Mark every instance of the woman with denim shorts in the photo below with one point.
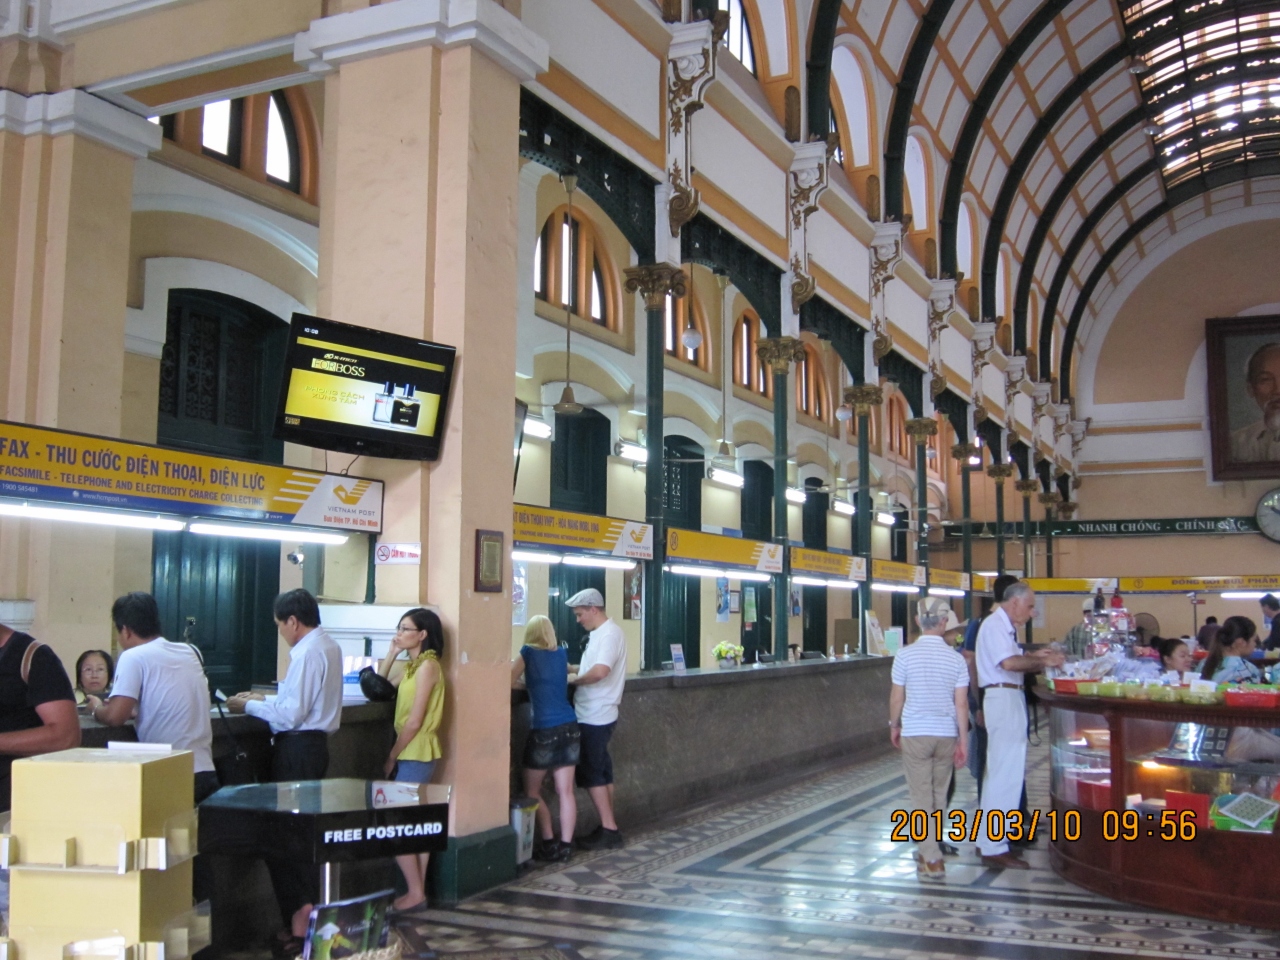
(419, 708)
(554, 738)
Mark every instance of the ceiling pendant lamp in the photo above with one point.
(568, 405)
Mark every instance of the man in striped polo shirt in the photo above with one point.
(929, 720)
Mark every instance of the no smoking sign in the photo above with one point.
(391, 553)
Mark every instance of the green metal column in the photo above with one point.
(1049, 500)
(962, 452)
(999, 472)
(862, 398)
(781, 595)
(920, 429)
(654, 282)
(1026, 488)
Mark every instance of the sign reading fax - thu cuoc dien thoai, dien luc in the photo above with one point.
(58, 466)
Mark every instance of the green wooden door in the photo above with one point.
(219, 379)
(682, 508)
(564, 581)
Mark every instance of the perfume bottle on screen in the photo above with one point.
(383, 403)
(405, 409)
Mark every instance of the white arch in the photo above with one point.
(851, 83)
(916, 173)
(146, 328)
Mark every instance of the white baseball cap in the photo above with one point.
(589, 597)
(934, 607)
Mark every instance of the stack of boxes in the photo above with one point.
(99, 849)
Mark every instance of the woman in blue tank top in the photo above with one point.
(553, 744)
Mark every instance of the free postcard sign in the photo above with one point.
(539, 527)
(37, 463)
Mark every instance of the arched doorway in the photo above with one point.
(219, 382)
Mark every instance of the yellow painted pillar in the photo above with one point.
(419, 236)
(66, 188)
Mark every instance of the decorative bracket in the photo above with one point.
(691, 66)
(806, 181)
(984, 338)
(1040, 396)
(1015, 372)
(1078, 430)
(942, 300)
(886, 253)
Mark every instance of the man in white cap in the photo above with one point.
(929, 720)
(598, 682)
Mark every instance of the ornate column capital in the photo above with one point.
(1027, 487)
(1000, 472)
(1067, 509)
(654, 281)
(921, 428)
(780, 352)
(863, 397)
(1049, 500)
(963, 451)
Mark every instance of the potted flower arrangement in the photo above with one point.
(728, 654)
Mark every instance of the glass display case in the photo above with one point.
(1171, 805)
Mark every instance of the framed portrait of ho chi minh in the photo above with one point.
(1243, 356)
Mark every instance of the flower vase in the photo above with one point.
(728, 663)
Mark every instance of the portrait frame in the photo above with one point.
(1227, 341)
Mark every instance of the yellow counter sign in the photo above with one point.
(889, 571)
(539, 527)
(711, 548)
(948, 578)
(826, 564)
(54, 465)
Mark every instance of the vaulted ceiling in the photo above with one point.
(1079, 132)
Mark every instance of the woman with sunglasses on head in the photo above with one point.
(1234, 641)
(419, 709)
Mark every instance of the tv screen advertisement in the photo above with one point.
(356, 390)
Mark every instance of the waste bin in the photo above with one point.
(524, 822)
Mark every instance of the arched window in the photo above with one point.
(917, 180)
(1002, 292)
(571, 268)
(269, 137)
(896, 427)
(683, 313)
(738, 38)
(964, 242)
(850, 94)
(812, 396)
(938, 447)
(748, 371)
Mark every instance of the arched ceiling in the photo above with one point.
(1077, 128)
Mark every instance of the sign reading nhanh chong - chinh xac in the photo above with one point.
(73, 468)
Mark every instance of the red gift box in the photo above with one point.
(1197, 803)
(1095, 794)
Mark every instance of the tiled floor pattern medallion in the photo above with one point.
(810, 871)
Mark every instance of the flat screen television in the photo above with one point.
(355, 390)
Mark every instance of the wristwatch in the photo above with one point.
(895, 723)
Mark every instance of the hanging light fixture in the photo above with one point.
(568, 405)
(724, 455)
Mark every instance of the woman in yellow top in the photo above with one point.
(419, 708)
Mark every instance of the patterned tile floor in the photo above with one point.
(809, 871)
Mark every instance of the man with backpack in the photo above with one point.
(37, 703)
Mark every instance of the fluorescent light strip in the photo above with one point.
(534, 427)
(685, 570)
(608, 563)
(819, 582)
(728, 477)
(894, 588)
(1243, 595)
(886, 519)
(845, 507)
(254, 532)
(535, 556)
(633, 451)
(796, 495)
(753, 575)
(945, 592)
(101, 518)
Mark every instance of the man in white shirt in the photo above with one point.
(161, 685)
(598, 687)
(1001, 666)
(164, 683)
(929, 721)
(307, 708)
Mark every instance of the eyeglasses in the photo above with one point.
(409, 630)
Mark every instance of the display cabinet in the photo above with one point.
(1171, 805)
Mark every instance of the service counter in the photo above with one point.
(687, 738)
(1137, 789)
